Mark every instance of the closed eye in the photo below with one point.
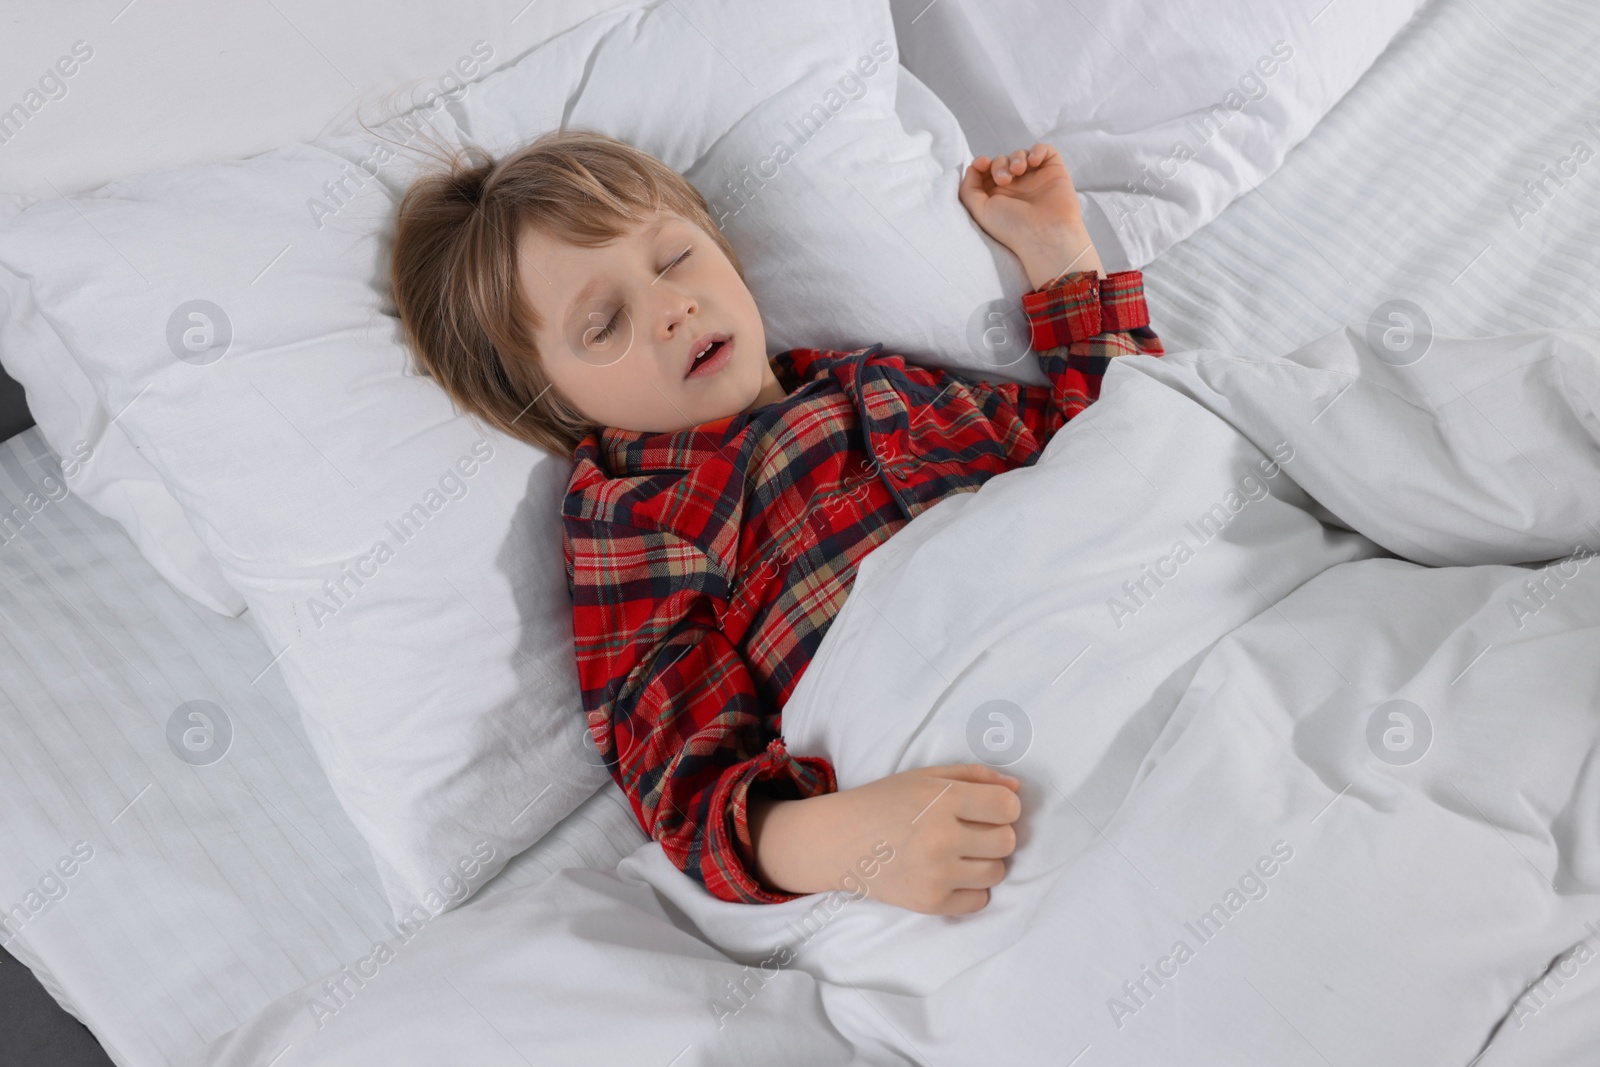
(603, 334)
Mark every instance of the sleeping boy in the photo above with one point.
(577, 295)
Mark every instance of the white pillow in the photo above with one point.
(96, 459)
(436, 677)
(1164, 113)
(857, 236)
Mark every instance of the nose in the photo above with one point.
(676, 307)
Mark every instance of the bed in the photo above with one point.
(235, 917)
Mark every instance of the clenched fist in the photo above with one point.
(1027, 202)
(949, 828)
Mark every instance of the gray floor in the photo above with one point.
(14, 416)
(34, 1031)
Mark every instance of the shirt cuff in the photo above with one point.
(730, 861)
(1078, 305)
(1122, 304)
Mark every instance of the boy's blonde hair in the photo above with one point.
(454, 264)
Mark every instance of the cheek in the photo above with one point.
(625, 394)
(750, 360)
(615, 388)
(583, 386)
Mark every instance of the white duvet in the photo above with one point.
(1288, 799)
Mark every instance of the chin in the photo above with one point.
(750, 394)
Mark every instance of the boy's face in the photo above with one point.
(623, 321)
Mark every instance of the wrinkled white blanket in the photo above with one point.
(1308, 752)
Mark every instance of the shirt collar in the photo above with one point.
(625, 452)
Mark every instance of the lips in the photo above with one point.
(705, 347)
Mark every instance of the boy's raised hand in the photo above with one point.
(1027, 202)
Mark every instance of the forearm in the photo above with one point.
(1049, 254)
(792, 845)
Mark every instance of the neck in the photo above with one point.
(771, 392)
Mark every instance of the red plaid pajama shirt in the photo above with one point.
(706, 564)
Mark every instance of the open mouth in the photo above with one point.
(712, 357)
(701, 359)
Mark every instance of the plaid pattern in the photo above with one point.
(705, 565)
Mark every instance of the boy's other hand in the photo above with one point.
(1027, 202)
(950, 829)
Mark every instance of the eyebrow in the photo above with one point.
(595, 283)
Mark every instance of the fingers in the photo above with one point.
(1005, 169)
(971, 191)
(983, 842)
(964, 902)
(982, 793)
(991, 804)
(969, 885)
(999, 169)
(963, 839)
(972, 772)
(978, 874)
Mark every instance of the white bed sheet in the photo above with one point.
(1182, 762)
(1404, 190)
(210, 889)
